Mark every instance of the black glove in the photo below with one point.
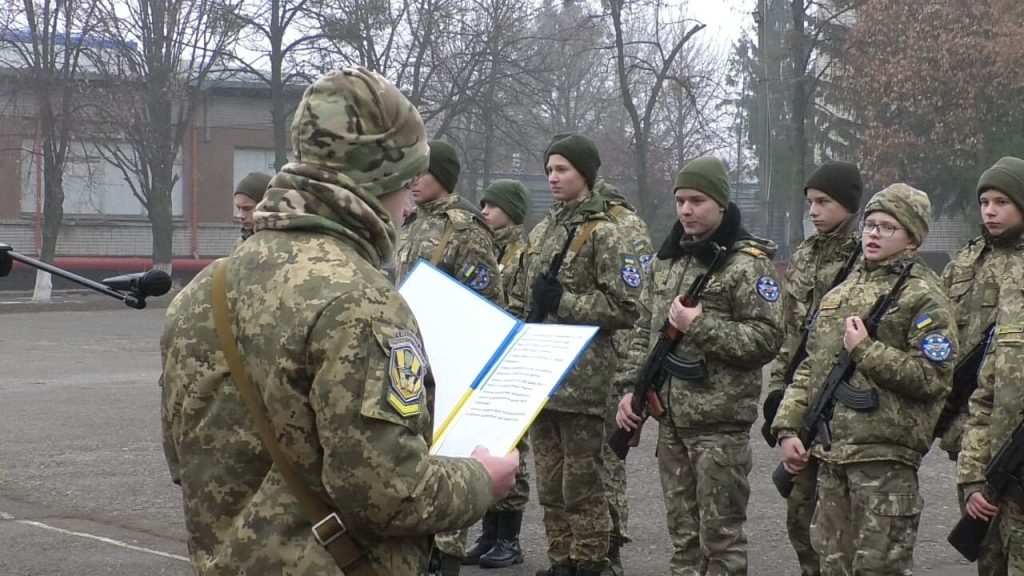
(546, 293)
(770, 408)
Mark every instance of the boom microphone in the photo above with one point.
(144, 284)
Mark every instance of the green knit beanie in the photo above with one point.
(707, 175)
(253, 185)
(839, 180)
(509, 195)
(1006, 176)
(581, 152)
(444, 164)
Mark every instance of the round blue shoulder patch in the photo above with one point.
(481, 280)
(631, 276)
(937, 347)
(768, 288)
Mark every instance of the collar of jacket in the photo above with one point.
(1012, 238)
(891, 265)
(508, 235)
(440, 204)
(579, 210)
(677, 244)
(842, 235)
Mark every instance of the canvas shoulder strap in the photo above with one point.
(327, 527)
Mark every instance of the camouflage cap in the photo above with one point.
(908, 205)
(358, 123)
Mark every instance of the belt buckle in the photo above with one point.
(333, 516)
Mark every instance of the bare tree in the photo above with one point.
(152, 88)
(267, 26)
(42, 42)
(644, 63)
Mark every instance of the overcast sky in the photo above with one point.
(725, 19)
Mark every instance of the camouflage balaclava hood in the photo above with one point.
(356, 122)
(908, 205)
(355, 137)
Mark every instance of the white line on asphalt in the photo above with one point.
(105, 540)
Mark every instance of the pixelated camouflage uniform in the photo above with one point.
(972, 280)
(809, 275)
(996, 407)
(509, 246)
(469, 254)
(631, 349)
(569, 435)
(467, 257)
(868, 499)
(704, 455)
(319, 329)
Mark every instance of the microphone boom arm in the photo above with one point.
(135, 298)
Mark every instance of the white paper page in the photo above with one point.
(461, 331)
(515, 390)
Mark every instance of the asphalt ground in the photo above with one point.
(84, 489)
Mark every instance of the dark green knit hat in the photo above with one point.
(841, 181)
(253, 185)
(1007, 176)
(444, 164)
(581, 152)
(509, 195)
(707, 175)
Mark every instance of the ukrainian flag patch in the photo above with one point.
(923, 322)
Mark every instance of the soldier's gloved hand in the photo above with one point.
(547, 293)
(769, 410)
(771, 405)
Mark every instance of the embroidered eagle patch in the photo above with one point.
(406, 369)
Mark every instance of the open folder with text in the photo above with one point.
(493, 372)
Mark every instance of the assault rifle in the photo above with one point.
(801, 350)
(538, 313)
(132, 289)
(965, 382)
(652, 376)
(817, 418)
(1006, 466)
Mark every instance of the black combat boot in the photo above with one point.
(450, 565)
(485, 542)
(506, 550)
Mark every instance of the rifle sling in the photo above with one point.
(327, 527)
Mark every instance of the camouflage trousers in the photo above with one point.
(520, 494)
(867, 518)
(1011, 530)
(704, 479)
(567, 452)
(991, 558)
(799, 511)
(618, 503)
